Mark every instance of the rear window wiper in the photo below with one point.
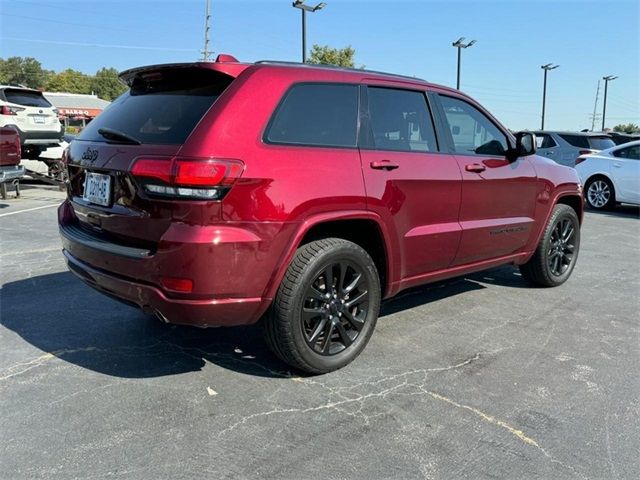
(117, 136)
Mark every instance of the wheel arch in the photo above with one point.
(361, 227)
(575, 201)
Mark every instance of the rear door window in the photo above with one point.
(579, 141)
(629, 152)
(317, 114)
(400, 121)
(161, 107)
(26, 98)
(472, 131)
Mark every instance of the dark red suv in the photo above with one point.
(222, 193)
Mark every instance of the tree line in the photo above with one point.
(28, 71)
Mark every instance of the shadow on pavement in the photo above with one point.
(624, 211)
(60, 315)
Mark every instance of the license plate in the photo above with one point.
(38, 119)
(97, 189)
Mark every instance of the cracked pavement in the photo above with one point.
(476, 377)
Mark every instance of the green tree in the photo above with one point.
(628, 128)
(325, 55)
(25, 71)
(106, 84)
(69, 80)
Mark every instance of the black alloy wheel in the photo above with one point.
(561, 246)
(335, 308)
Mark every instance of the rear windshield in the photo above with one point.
(161, 107)
(26, 98)
(601, 143)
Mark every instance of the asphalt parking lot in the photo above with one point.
(478, 377)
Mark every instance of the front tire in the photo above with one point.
(557, 253)
(326, 307)
(600, 194)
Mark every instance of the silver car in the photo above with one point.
(565, 147)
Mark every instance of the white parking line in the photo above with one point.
(29, 210)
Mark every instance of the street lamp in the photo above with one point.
(459, 44)
(304, 9)
(606, 79)
(546, 68)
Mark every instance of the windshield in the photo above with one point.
(601, 143)
(162, 107)
(26, 98)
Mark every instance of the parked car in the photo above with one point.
(222, 193)
(10, 169)
(611, 176)
(565, 147)
(35, 119)
(620, 138)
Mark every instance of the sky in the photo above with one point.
(588, 39)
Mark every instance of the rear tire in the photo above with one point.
(599, 193)
(557, 253)
(326, 307)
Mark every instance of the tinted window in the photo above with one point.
(400, 121)
(161, 107)
(544, 141)
(579, 141)
(601, 143)
(317, 114)
(629, 152)
(26, 98)
(472, 131)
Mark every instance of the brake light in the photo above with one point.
(7, 110)
(195, 178)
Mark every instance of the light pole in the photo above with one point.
(459, 44)
(546, 68)
(606, 79)
(304, 9)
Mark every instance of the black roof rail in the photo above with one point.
(334, 67)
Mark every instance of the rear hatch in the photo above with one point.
(601, 143)
(122, 165)
(29, 110)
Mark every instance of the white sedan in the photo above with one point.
(611, 176)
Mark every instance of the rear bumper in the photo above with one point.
(231, 266)
(40, 137)
(200, 313)
(11, 173)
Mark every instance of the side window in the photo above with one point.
(629, 152)
(544, 141)
(318, 115)
(472, 131)
(400, 121)
(579, 141)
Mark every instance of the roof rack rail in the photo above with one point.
(334, 67)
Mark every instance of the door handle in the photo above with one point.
(617, 165)
(549, 153)
(383, 165)
(475, 167)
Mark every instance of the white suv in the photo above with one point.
(35, 119)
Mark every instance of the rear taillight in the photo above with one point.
(7, 110)
(188, 178)
(585, 152)
(580, 160)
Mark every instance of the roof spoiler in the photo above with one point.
(224, 63)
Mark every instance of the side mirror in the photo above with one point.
(525, 144)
